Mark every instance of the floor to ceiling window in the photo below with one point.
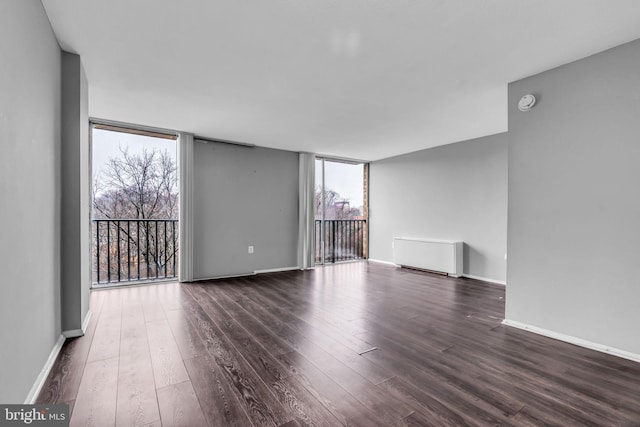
(340, 211)
(134, 206)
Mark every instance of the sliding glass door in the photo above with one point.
(340, 211)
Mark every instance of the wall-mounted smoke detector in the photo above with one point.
(527, 102)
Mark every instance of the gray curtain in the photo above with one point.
(306, 220)
(185, 165)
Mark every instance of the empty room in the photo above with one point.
(324, 213)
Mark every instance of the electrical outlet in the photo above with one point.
(250, 249)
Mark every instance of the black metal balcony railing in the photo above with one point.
(344, 239)
(134, 249)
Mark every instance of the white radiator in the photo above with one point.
(444, 256)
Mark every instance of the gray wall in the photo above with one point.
(574, 209)
(75, 245)
(243, 196)
(456, 191)
(30, 188)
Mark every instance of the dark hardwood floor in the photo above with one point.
(352, 344)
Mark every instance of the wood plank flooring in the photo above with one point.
(352, 344)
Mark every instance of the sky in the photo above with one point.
(106, 144)
(344, 178)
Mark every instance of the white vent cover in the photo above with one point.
(429, 254)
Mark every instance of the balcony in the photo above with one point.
(126, 251)
(344, 240)
(134, 250)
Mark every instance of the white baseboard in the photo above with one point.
(573, 340)
(85, 323)
(44, 373)
(230, 276)
(379, 261)
(470, 276)
(485, 279)
(276, 270)
(74, 333)
(235, 276)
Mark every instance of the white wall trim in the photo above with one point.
(485, 279)
(44, 373)
(229, 276)
(470, 276)
(74, 333)
(379, 261)
(255, 272)
(85, 322)
(185, 162)
(573, 340)
(276, 270)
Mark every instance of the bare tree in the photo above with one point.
(137, 186)
(335, 207)
(135, 204)
(342, 230)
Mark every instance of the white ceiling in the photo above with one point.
(362, 79)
